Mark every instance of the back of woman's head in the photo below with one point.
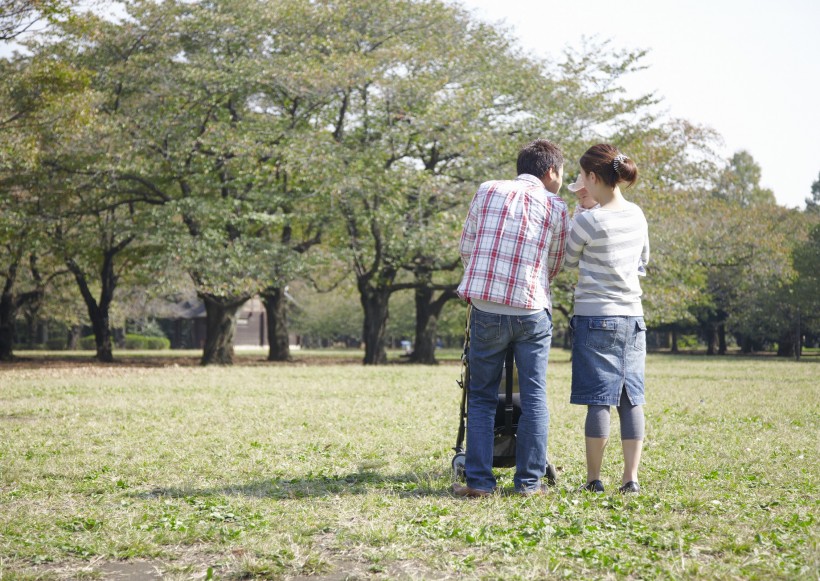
(610, 165)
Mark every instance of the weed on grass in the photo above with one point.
(300, 471)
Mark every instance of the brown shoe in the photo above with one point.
(539, 491)
(463, 490)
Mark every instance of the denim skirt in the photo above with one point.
(608, 356)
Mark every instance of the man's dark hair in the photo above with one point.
(538, 157)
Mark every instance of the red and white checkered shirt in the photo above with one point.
(512, 244)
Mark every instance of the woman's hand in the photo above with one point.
(585, 199)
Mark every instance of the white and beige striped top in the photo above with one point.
(611, 249)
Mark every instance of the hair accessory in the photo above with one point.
(616, 163)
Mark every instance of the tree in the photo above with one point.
(95, 221)
(742, 247)
(676, 160)
(747, 255)
(19, 16)
(410, 111)
(212, 109)
(813, 203)
(40, 98)
(805, 291)
(101, 240)
(16, 241)
(740, 182)
(464, 102)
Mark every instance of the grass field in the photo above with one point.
(326, 469)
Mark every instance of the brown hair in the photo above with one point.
(611, 166)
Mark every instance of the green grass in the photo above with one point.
(242, 355)
(341, 471)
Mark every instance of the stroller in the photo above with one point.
(507, 413)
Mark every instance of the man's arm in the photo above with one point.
(468, 233)
(555, 259)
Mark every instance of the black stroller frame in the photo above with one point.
(508, 411)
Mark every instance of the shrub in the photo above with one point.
(132, 342)
(56, 344)
(140, 342)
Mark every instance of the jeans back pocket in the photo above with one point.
(487, 326)
(535, 325)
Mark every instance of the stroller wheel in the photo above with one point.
(458, 466)
(551, 475)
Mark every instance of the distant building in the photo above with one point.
(184, 323)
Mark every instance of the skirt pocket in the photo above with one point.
(602, 333)
(639, 340)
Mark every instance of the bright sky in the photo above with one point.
(747, 68)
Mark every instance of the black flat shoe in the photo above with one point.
(595, 486)
(630, 487)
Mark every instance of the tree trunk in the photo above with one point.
(99, 312)
(424, 345)
(428, 311)
(7, 316)
(74, 338)
(103, 337)
(279, 344)
(711, 338)
(8, 312)
(721, 332)
(375, 304)
(220, 326)
(785, 347)
(675, 341)
(11, 303)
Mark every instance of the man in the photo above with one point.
(512, 247)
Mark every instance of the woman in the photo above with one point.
(609, 244)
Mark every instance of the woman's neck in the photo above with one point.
(611, 199)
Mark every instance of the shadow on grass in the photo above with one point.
(310, 486)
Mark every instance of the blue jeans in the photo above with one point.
(530, 336)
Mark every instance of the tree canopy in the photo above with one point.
(250, 146)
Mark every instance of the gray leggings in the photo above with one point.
(632, 420)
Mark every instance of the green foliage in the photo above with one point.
(746, 253)
(249, 144)
(139, 342)
(675, 161)
(132, 342)
(739, 182)
(18, 16)
(806, 288)
(813, 203)
(325, 317)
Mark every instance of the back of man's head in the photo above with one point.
(538, 157)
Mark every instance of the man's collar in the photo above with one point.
(528, 177)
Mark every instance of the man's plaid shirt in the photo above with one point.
(512, 244)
